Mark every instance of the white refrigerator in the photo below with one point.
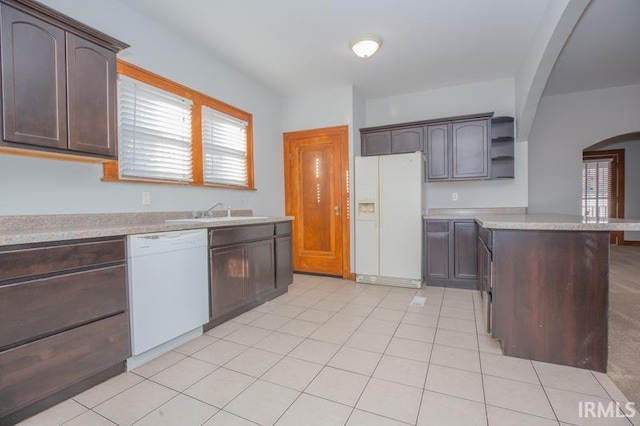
(388, 216)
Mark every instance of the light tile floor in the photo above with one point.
(332, 352)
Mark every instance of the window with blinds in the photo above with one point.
(596, 188)
(224, 148)
(154, 133)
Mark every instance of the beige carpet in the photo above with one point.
(624, 320)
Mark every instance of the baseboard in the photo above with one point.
(630, 243)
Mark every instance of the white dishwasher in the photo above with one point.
(168, 288)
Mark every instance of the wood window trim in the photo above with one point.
(110, 168)
(616, 203)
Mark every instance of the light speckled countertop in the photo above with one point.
(46, 228)
(555, 222)
(517, 218)
(469, 213)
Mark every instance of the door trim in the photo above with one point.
(345, 217)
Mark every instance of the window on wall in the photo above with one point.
(224, 148)
(154, 133)
(596, 188)
(169, 133)
(603, 186)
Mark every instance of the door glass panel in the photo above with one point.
(315, 193)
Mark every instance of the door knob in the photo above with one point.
(336, 210)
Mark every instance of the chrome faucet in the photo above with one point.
(206, 212)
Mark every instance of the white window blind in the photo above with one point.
(596, 188)
(154, 133)
(224, 148)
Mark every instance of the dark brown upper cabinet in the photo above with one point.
(59, 83)
(470, 150)
(376, 143)
(458, 150)
(34, 109)
(406, 140)
(397, 141)
(91, 95)
(502, 148)
(438, 148)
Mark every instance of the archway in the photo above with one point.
(628, 185)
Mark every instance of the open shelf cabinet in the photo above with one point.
(502, 148)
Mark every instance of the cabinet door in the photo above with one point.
(261, 265)
(33, 81)
(465, 250)
(91, 85)
(377, 143)
(228, 279)
(437, 152)
(470, 150)
(284, 262)
(437, 250)
(406, 140)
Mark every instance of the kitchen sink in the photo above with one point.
(216, 219)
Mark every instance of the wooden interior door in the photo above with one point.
(316, 194)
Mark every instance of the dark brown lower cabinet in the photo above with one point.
(284, 254)
(551, 296)
(38, 369)
(64, 322)
(437, 250)
(465, 265)
(451, 253)
(228, 279)
(261, 266)
(249, 265)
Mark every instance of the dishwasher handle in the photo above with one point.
(144, 244)
(165, 236)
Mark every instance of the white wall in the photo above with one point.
(35, 186)
(497, 96)
(632, 182)
(560, 17)
(564, 126)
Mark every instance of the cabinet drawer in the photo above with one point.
(239, 234)
(36, 370)
(25, 262)
(437, 226)
(283, 228)
(35, 308)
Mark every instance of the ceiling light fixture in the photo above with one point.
(365, 47)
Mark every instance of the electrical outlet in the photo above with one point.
(454, 196)
(146, 198)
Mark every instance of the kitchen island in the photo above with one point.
(546, 285)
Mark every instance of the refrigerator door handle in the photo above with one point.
(375, 217)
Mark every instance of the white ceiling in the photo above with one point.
(300, 45)
(603, 50)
